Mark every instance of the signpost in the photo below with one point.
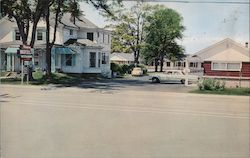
(26, 56)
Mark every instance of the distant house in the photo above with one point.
(122, 58)
(80, 47)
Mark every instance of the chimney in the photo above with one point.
(246, 44)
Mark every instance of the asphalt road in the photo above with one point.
(125, 122)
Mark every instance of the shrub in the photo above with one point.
(211, 84)
(126, 69)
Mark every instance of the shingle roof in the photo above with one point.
(122, 56)
(80, 22)
(82, 42)
(16, 44)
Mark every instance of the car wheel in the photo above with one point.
(155, 80)
(182, 81)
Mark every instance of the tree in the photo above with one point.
(128, 30)
(163, 29)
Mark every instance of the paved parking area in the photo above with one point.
(136, 84)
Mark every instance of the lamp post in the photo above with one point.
(186, 71)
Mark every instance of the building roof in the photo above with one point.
(227, 50)
(82, 42)
(122, 57)
(208, 51)
(16, 44)
(229, 55)
(80, 22)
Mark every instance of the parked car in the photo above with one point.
(137, 71)
(172, 75)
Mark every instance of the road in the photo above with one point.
(77, 122)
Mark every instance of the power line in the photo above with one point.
(188, 1)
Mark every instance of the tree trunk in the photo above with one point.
(162, 63)
(48, 46)
(156, 65)
(33, 35)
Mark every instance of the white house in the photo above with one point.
(80, 47)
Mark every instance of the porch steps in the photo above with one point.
(11, 75)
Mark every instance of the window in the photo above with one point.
(233, 66)
(68, 58)
(92, 59)
(168, 64)
(226, 66)
(98, 34)
(17, 35)
(90, 36)
(108, 38)
(179, 64)
(104, 58)
(99, 59)
(39, 35)
(103, 38)
(70, 32)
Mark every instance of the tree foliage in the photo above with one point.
(128, 29)
(163, 29)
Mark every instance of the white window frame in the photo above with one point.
(226, 67)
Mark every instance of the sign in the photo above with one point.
(25, 53)
(26, 59)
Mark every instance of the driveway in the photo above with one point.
(135, 84)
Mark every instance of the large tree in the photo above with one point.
(128, 29)
(163, 30)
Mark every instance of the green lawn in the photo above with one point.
(56, 78)
(39, 79)
(226, 91)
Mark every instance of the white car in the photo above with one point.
(137, 71)
(172, 75)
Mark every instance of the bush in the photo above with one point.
(211, 84)
(126, 69)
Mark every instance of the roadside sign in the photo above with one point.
(26, 59)
(25, 51)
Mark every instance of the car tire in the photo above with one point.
(155, 80)
(183, 81)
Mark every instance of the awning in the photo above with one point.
(63, 50)
(11, 50)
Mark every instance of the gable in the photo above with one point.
(229, 55)
(226, 44)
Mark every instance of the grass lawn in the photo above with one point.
(56, 78)
(227, 91)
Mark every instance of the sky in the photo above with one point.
(205, 23)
